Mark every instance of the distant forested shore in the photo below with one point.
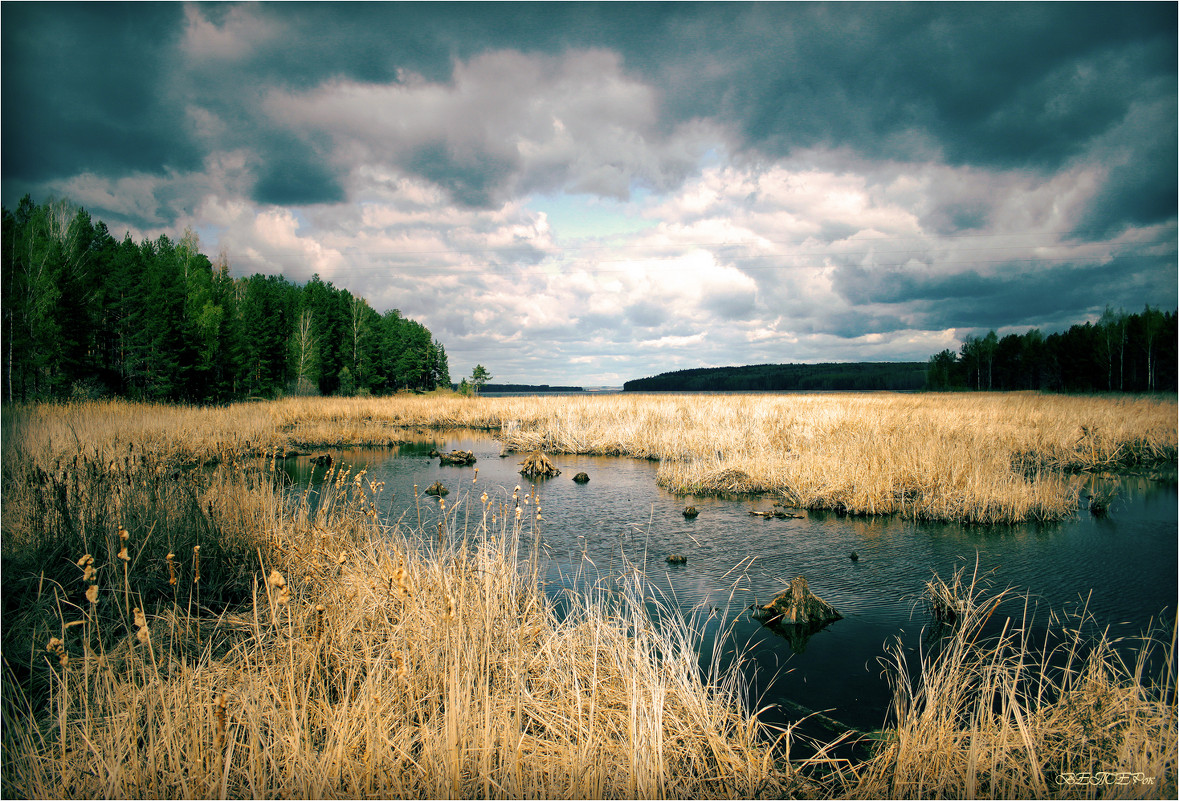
(784, 377)
(88, 315)
(528, 389)
(1120, 353)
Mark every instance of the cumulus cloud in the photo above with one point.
(233, 37)
(759, 182)
(506, 124)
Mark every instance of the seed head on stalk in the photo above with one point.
(57, 646)
(143, 634)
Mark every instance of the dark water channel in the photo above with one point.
(1122, 566)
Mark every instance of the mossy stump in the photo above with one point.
(797, 606)
(537, 465)
(457, 458)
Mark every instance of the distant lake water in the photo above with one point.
(1121, 567)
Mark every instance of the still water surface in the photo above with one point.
(1122, 566)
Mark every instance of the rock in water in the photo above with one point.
(797, 606)
(537, 465)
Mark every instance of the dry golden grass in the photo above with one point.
(973, 458)
(223, 640)
(979, 458)
(396, 673)
(367, 660)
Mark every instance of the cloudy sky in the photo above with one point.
(583, 194)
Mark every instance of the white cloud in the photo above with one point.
(234, 38)
(532, 123)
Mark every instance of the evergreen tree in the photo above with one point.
(479, 377)
(86, 313)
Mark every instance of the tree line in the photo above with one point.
(786, 377)
(87, 315)
(1119, 353)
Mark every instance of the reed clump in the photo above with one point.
(1002, 712)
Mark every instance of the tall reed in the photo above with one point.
(1002, 711)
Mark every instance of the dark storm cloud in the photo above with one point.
(96, 86)
(81, 90)
(1004, 84)
(1000, 85)
(471, 175)
(291, 180)
(1010, 297)
(292, 171)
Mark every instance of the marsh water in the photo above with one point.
(1120, 567)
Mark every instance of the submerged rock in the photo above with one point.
(581, 478)
(776, 514)
(437, 489)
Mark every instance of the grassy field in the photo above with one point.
(181, 632)
(978, 458)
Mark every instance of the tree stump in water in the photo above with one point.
(797, 606)
(457, 458)
(537, 465)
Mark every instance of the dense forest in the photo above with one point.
(87, 315)
(779, 377)
(1119, 353)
